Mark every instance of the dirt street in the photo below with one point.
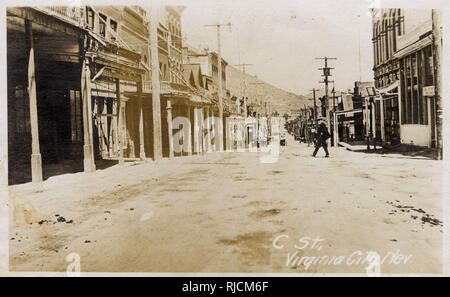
(228, 212)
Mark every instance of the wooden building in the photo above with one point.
(404, 66)
(80, 88)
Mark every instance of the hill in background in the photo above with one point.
(281, 100)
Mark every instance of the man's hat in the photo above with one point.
(321, 119)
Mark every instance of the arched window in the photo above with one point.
(375, 44)
(401, 27)
(386, 38)
(380, 43)
(390, 34)
(394, 32)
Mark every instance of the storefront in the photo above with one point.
(418, 122)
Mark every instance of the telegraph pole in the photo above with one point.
(315, 107)
(219, 92)
(245, 98)
(326, 73)
(335, 130)
(334, 98)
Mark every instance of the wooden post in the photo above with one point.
(383, 136)
(130, 109)
(104, 130)
(141, 122)
(366, 122)
(189, 140)
(90, 120)
(119, 122)
(197, 139)
(208, 132)
(219, 137)
(335, 129)
(428, 99)
(203, 130)
(114, 134)
(89, 165)
(373, 124)
(399, 98)
(437, 48)
(169, 128)
(213, 123)
(36, 160)
(156, 87)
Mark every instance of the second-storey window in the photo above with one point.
(90, 18)
(102, 25)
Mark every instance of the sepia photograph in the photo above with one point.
(212, 138)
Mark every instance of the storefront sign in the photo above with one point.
(428, 91)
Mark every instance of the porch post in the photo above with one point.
(89, 165)
(36, 160)
(114, 135)
(399, 101)
(203, 113)
(169, 127)
(90, 119)
(336, 129)
(141, 122)
(119, 122)
(130, 129)
(208, 131)
(197, 139)
(430, 125)
(213, 122)
(383, 137)
(190, 131)
(373, 125)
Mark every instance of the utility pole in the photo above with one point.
(315, 107)
(334, 98)
(335, 130)
(156, 87)
(219, 84)
(326, 73)
(245, 98)
(437, 48)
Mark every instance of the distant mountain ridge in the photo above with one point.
(281, 100)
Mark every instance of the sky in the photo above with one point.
(282, 38)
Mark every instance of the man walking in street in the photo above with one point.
(321, 138)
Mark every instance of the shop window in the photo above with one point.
(414, 104)
(428, 66)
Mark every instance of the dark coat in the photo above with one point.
(322, 133)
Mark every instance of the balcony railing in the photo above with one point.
(166, 87)
(70, 14)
